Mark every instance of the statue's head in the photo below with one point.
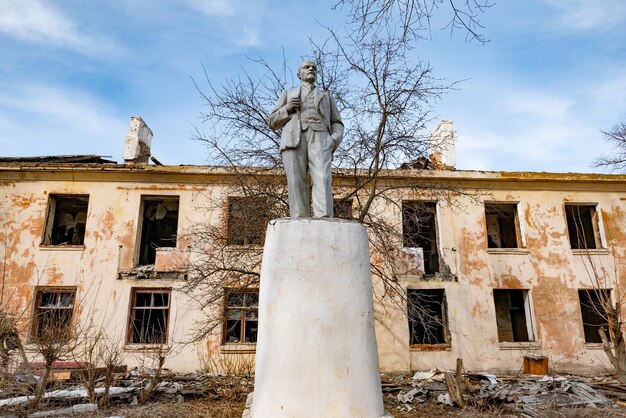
(307, 71)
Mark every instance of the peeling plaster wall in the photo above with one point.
(547, 267)
(110, 239)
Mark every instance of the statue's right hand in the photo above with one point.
(293, 104)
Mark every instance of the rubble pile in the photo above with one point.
(127, 389)
(521, 395)
(518, 395)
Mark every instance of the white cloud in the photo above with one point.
(219, 8)
(586, 14)
(36, 21)
(58, 120)
(42, 119)
(611, 90)
(238, 20)
(538, 105)
(59, 104)
(530, 129)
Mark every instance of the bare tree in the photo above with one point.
(55, 340)
(386, 99)
(386, 102)
(616, 137)
(413, 17)
(97, 351)
(157, 357)
(111, 355)
(605, 298)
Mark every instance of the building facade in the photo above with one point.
(513, 265)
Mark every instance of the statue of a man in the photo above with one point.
(312, 130)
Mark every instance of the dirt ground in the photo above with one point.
(229, 409)
(439, 411)
(205, 408)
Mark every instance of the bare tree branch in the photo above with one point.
(412, 18)
(616, 137)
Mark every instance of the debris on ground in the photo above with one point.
(405, 396)
(521, 395)
(65, 398)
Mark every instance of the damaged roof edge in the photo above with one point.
(187, 171)
(62, 159)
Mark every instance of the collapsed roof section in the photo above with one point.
(61, 159)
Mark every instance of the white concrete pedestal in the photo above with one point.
(316, 353)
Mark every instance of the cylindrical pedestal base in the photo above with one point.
(316, 351)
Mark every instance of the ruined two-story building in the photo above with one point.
(517, 268)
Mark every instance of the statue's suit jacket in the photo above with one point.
(290, 137)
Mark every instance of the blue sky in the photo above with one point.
(72, 73)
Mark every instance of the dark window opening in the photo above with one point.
(502, 225)
(342, 208)
(159, 227)
(582, 226)
(419, 229)
(67, 217)
(428, 323)
(149, 316)
(53, 313)
(247, 220)
(241, 317)
(592, 307)
(512, 315)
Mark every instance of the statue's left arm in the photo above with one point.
(336, 125)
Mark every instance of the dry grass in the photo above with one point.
(431, 410)
(227, 408)
(583, 412)
(201, 408)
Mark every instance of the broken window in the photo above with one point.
(149, 316)
(427, 312)
(582, 226)
(342, 208)
(513, 315)
(53, 313)
(592, 307)
(247, 220)
(419, 229)
(241, 316)
(158, 228)
(502, 225)
(66, 220)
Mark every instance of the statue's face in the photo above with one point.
(307, 71)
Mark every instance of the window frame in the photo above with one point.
(582, 314)
(348, 208)
(445, 326)
(35, 317)
(243, 310)
(520, 243)
(140, 224)
(51, 212)
(437, 236)
(230, 226)
(597, 226)
(131, 314)
(528, 317)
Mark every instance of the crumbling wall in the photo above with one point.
(545, 266)
(110, 244)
